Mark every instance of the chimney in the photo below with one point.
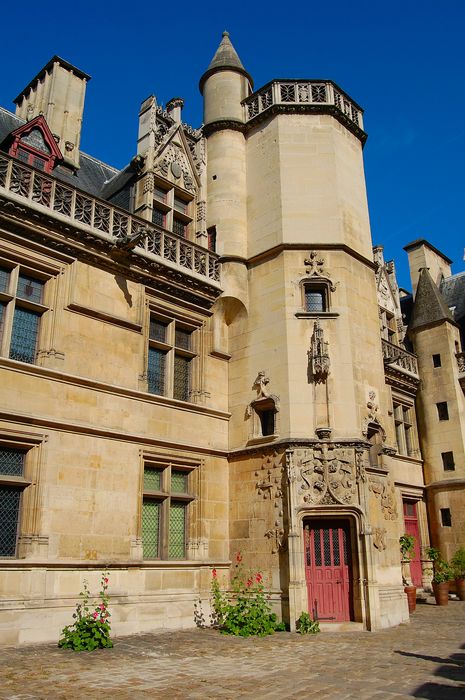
(174, 109)
(57, 92)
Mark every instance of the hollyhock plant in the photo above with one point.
(90, 630)
(246, 611)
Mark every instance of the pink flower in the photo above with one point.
(105, 580)
(102, 606)
(95, 615)
(259, 578)
(214, 573)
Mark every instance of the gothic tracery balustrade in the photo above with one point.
(85, 210)
(301, 92)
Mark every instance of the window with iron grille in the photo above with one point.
(21, 309)
(11, 473)
(165, 508)
(170, 356)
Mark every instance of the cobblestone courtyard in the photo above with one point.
(425, 659)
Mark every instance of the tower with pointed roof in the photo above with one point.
(286, 195)
(434, 328)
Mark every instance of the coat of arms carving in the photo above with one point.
(327, 475)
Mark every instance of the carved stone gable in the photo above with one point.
(386, 298)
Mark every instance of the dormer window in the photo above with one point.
(34, 145)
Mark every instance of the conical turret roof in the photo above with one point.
(429, 305)
(225, 58)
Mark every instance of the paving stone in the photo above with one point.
(425, 659)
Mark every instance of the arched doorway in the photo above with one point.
(328, 569)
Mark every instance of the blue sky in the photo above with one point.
(403, 62)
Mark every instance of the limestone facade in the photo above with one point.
(201, 355)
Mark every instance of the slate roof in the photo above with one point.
(429, 305)
(92, 174)
(453, 291)
(225, 58)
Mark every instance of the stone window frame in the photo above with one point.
(45, 309)
(257, 410)
(405, 427)
(175, 318)
(320, 284)
(443, 410)
(448, 462)
(165, 497)
(176, 207)
(445, 517)
(28, 484)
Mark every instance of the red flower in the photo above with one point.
(259, 578)
(249, 582)
(105, 580)
(214, 573)
(238, 557)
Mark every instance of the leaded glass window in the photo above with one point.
(156, 371)
(158, 217)
(151, 528)
(21, 309)
(4, 279)
(24, 335)
(314, 299)
(11, 465)
(11, 462)
(181, 386)
(158, 330)
(170, 356)
(179, 481)
(165, 507)
(183, 338)
(177, 531)
(30, 288)
(179, 227)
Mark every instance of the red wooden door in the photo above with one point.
(411, 528)
(327, 570)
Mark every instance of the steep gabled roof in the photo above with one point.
(429, 305)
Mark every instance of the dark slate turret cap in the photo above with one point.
(225, 58)
(429, 305)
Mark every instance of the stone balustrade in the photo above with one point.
(399, 358)
(303, 93)
(84, 210)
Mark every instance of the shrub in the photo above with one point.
(248, 612)
(90, 629)
(458, 563)
(305, 624)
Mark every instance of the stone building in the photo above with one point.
(192, 363)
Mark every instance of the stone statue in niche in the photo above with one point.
(260, 384)
(318, 355)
